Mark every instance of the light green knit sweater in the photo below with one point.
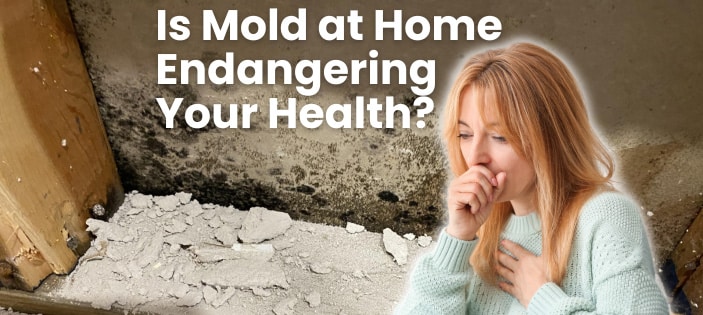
(610, 269)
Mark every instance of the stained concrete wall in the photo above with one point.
(638, 61)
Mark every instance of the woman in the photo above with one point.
(534, 224)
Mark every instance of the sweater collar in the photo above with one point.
(523, 225)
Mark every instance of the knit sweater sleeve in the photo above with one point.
(439, 281)
(612, 236)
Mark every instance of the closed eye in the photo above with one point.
(500, 139)
(465, 136)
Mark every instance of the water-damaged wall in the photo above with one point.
(639, 63)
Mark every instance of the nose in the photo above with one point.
(476, 152)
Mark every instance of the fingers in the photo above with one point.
(506, 273)
(507, 287)
(506, 260)
(474, 188)
(517, 250)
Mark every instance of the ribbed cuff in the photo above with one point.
(546, 299)
(452, 254)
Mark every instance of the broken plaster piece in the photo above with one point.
(262, 224)
(168, 203)
(260, 292)
(209, 294)
(353, 228)
(396, 246)
(285, 307)
(424, 241)
(192, 298)
(233, 273)
(223, 297)
(313, 299)
(183, 197)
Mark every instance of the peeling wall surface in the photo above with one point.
(639, 63)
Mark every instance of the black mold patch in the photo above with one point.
(242, 194)
(305, 189)
(388, 196)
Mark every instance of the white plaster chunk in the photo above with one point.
(355, 228)
(226, 235)
(208, 215)
(166, 272)
(281, 244)
(215, 222)
(109, 231)
(303, 254)
(209, 294)
(320, 269)
(168, 203)
(208, 254)
(191, 299)
(285, 307)
(141, 201)
(178, 290)
(260, 292)
(234, 219)
(256, 252)
(176, 226)
(183, 197)
(208, 206)
(223, 297)
(151, 251)
(313, 299)
(192, 209)
(424, 241)
(178, 239)
(396, 246)
(231, 273)
(262, 224)
(259, 252)
(135, 211)
(409, 236)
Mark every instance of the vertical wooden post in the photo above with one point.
(55, 160)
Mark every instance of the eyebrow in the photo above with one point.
(490, 125)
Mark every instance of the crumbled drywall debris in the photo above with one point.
(192, 298)
(150, 260)
(209, 294)
(396, 246)
(424, 241)
(183, 197)
(409, 236)
(167, 203)
(260, 292)
(355, 228)
(226, 235)
(141, 201)
(223, 297)
(320, 269)
(313, 299)
(286, 306)
(232, 273)
(151, 252)
(262, 224)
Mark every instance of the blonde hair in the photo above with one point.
(543, 117)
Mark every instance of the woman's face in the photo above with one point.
(481, 144)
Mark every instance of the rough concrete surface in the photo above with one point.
(136, 265)
(638, 61)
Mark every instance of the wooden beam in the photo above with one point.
(55, 160)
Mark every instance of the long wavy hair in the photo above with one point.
(542, 115)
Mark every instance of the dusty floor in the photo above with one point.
(172, 255)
